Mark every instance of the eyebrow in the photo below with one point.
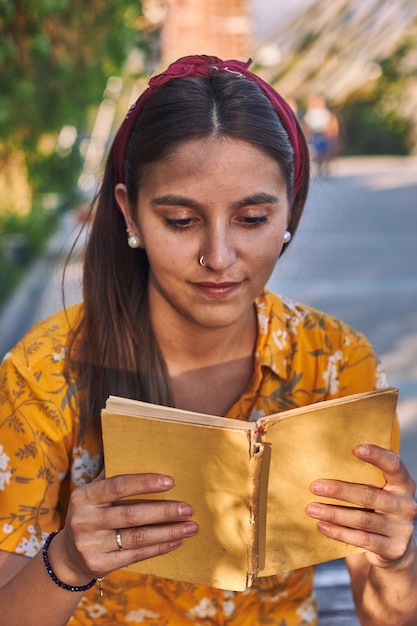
(171, 200)
(253, 200)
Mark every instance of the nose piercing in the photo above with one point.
(201, 261)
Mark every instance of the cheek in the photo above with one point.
(168, 255)
(269, 249)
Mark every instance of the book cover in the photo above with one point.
(247, 482)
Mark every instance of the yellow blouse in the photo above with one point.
(302, 356)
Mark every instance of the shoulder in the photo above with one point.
(47, 339)
(322, 352)
(300, 320)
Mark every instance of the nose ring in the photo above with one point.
(201, 261)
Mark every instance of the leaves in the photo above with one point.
(55, 59)
(28, 451)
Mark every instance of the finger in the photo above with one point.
(142, 536)
(144, 514)
(353, 518)
(380, 545)
(99, 566)
(369, 531)
(365, 496)
(110, 490)
(390, 464)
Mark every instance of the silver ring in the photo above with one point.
(201, 261)
(119, 540)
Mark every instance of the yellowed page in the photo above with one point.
(212, 471)
(317, 442)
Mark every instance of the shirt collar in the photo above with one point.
(273, 343)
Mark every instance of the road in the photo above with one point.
(354, 256)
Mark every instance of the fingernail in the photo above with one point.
(314, 510)
(165, 482)
(190, 528)
(318, 486)
(324, 527)
(185, 510)
(362, 450)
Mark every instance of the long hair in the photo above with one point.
(114, 349)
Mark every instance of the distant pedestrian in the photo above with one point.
(322, 129)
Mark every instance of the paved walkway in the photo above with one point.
(40, 294)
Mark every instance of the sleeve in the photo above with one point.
(35, 440)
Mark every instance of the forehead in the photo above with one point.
(215, 160)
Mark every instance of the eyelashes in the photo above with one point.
(254, 221)
(186, 222)
(180, 224)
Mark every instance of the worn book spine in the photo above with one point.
(256, 471)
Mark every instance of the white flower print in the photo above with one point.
(4, 474)
(6, 356)
(381, 377)
(93, 609)
(263, 321)
(31, 546)
(7, 528)
(140, 615)
(205, 609)
(228, 608)
(58, 356)
(331, 375)
(307, 610)
(84, 467)
(280, 338)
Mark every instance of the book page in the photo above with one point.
(213, 471)
(126, 406)
(310, 445)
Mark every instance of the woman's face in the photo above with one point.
(219, 198)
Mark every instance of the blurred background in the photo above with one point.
(69, 71)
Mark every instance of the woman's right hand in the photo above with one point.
(86, 548)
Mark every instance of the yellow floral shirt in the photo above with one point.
(302, 356)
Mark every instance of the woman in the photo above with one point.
(203, 189)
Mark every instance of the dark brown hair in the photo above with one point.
(114, 350)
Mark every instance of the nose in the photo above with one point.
(218, 248)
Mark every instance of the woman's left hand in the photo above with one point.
(384, 526)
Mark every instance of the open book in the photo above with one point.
(247, 482)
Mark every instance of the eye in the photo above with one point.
(253, 221)
(178, 224)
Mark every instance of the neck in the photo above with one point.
(186, 346)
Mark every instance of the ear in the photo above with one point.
(122, 200)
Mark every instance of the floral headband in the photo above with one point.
(203, 66)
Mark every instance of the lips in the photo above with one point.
(217, 289)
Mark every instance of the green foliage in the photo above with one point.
(55, 59)
(374, 123)
(369, 130)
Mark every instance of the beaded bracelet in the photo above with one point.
(55, 577)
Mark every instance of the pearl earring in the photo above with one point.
(133, 241)
(287, 236)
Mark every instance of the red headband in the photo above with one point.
(202, 66)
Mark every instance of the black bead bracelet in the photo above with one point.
(54, 576)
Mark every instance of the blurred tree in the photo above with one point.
(55, 59)
(381, 120)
